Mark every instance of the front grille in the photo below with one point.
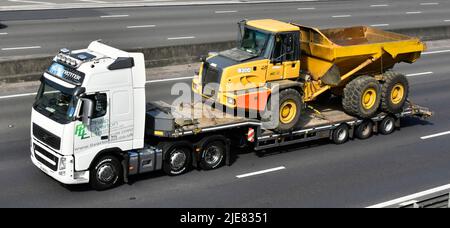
(48, 155)
(46, 137)
(210, 80)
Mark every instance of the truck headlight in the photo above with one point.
(63, 163)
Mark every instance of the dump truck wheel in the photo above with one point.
(394, 92)
(341, 134)
(364, 130)
(362, 97)
(289, 110)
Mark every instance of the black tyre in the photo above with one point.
(106, 173)
(394, 92)
(177, 160)
(364, 130)
(289, 111)
(212, 155)
(341, 134)
(362, 97)
(387, 125)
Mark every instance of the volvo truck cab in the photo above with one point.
(90, 102)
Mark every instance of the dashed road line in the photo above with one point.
(32, 2)
(307, 8)
(435, 135)
(419, 74)
(226, 11)
(141, 26)
(414, 12)
(429, 3)
(261, 172)
(380, 5)
(181, 38)
(20, 48)
(114, 16)
(339, 16)
(379, 25)
(435, 52)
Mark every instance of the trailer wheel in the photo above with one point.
(362, 97)
(177, 160)
(387, 125)
(341, 134)
(364, 130)
(394, 92)
(212, 155)
(105, 173)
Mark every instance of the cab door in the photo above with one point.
(97, 133)
(285, 61)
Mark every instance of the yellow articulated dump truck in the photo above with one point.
(304, 64)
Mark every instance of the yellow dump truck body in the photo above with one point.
(331, 56)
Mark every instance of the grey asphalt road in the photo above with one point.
(44, 32)
(320, 174)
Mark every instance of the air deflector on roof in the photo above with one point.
(122, 63)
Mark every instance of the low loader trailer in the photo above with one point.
(91, 123)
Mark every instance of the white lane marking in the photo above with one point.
(411, 197)
(32, 2)
(380, 25)
(181, 38)
(446, 20)
(20, 48)
(3, 33)
(226, 11)
(92, 1)
(141, 26)
(114, 16)
(419, 74)
(338, 16)
(414, 12)
(429, 3)
(435, 135)
(17, 95)
(380, 5)
(261, 172)
(307, 8)
(169, 79)
(435, 52)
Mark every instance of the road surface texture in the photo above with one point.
(359, 173)
(43, 32)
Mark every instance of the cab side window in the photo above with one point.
(100, 104)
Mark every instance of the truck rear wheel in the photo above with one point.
(387, 125)
(362, 97)
(212, 155)
(341, 134)
(290, 105)
(177, 160)
(394, 92)
(105, 173)
(364, 130)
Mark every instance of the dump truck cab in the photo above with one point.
(267, 50)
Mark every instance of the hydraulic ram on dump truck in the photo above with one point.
(91, 123)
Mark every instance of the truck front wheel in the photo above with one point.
(105, 173)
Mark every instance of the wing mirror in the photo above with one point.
(88, 110)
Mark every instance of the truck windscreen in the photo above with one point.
(55, 104)
(254, 41)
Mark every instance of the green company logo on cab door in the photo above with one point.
(80, 131)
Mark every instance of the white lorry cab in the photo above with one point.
(90, 123)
